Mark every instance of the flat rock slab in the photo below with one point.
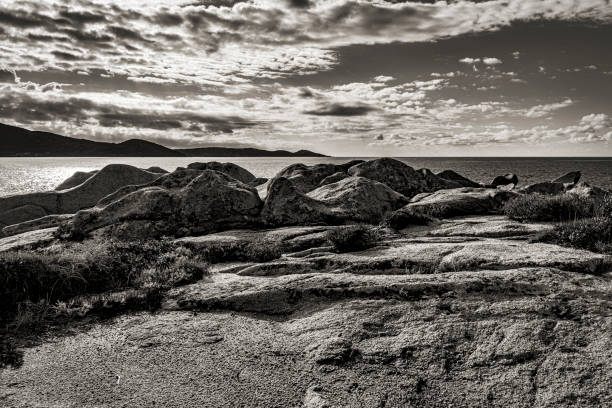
(38, 237)
(549, 346)
(486, 227)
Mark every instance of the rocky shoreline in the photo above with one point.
(367, 284)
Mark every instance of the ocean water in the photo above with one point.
(21, 175)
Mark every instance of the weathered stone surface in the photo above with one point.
(77, 178)
(22, 213)
(85, 195)
(48, 221)
(210, 201)
(156, 169)
(433, 182)
(454, 176)
(547, 187)
(484, 227)
(505, 180)
(26, 239)
(358, 198)
(333, 178)
(495, 322)
(350, 199)
(230, 169)
(286, 205)
(461, 201)
(397, 175)
(572, 177)
(257, 181)
(307, 178)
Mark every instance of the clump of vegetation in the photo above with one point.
(352, 238)
(558, 208)
(594, 234)
(64, 272)
(406, 217)
(259, 250)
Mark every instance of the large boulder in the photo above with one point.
(460, 202)
(156, 169)
(333, 178)
(397, 175)
(359, 198)
(307, 178)
(77, 178)
(572, 177)
(434, 183)
(546, 187)
(505, 180)
(203, 202)
(350, 199)
(454, 176)
(230, 169)
(85, 195)
(286, 205)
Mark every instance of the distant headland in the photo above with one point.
(20, 142)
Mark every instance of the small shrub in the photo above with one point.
(604, 207)
(559, 208)
(352, 238)
(594, 234)
(249, 251)
(29, 278)
(406, 217)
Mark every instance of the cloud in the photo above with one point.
(540, 111)
(469, 60)
(341, 110)
(491, 61)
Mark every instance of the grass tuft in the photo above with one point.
(559, 208)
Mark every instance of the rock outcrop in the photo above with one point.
(286, 205)
(546, 187)
(19, 208)
(394, 173)
(572, 177)
(505, 180)
(186, 202)
(230, 169)
(350, 199)
(454, 176)
(359, 199)
(77, 178)
(307, 178)
(460, 201)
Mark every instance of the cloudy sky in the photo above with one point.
(341, 77)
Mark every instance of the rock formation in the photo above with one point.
(19, 208)
(230, 169)
(396, 174)
(460, 201)
(77, 178)
(505, 180)
(197, 203)
(454, 176)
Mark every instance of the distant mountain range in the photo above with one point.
(20, 142)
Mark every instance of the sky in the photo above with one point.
(340, 77)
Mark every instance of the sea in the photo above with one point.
(29, 174)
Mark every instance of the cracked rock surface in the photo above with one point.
(463, 313)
